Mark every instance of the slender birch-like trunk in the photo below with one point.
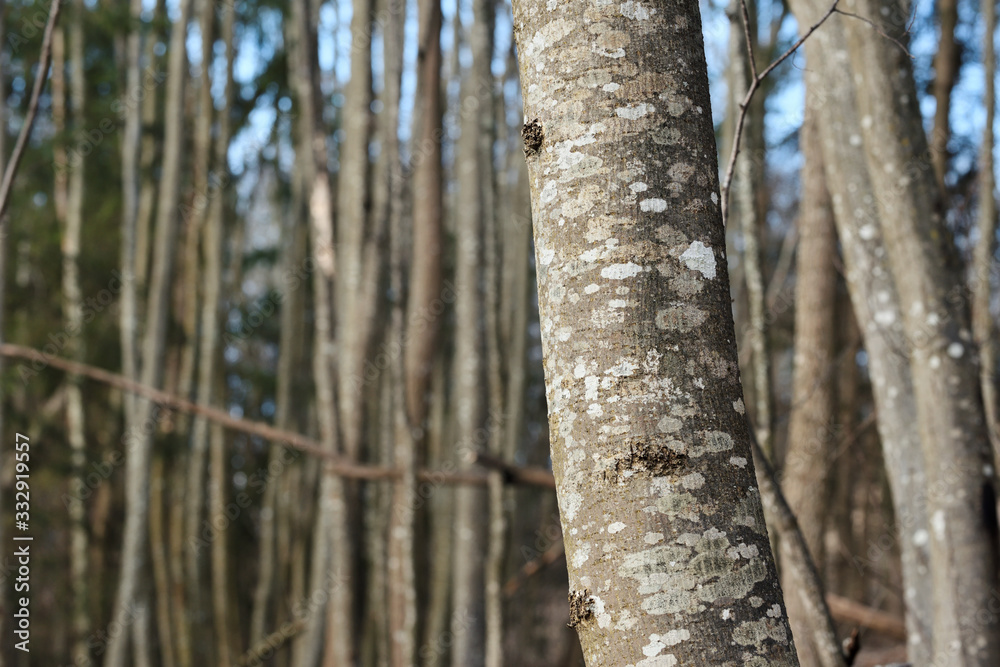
(666, 545)
(135, 533)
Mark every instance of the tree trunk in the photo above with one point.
(830, 93)
(946, 63)
(748, 183)
(668, 554)
(984, 328)
(811, 436)
(134, 545)
(425, 291)
(960, 494)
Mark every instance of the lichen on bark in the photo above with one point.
(665, 538)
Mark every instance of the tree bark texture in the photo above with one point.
(668, 555)
(830, 92)
(811, 444)
(950, 415)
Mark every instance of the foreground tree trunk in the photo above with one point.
(668, 555)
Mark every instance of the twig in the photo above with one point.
(532, 567)
(873, 619)
(877, 28)
(337, 464)
(517, 474)
(29, 118)
(754, 85)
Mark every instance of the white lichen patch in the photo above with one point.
(634, 111)
(738, 461)
(701, 258)
(712, 442)
(548, 192)
(601, 613)
(675, 637)
(694, 480)
(616, 527)
(654, 646)
(571, 504)
(739, 407)
(667, 660)
(591, 288)
(669, 425)
(653, 538)
(653, 205)
(752, 633)
(621, 271)
(581, 554)
(635, 10)
(638, 186)
(624, 368)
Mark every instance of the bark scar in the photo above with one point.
(532, 135)
(581, 607)
(657, 460)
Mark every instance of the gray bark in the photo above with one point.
(668, 554)
(830, 92)
(950, 416)
(811, 442)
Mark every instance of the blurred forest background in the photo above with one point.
(307, 224)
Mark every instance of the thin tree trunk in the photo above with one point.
(158, 543)
(69, 210)
(950, 417)
(469, 539)
(984, 327)
(661, 516)
(327, 574)
(272, 516)
(150, 155)
(425, 291)
(947, 60)
(134, 545)
(831, 94)
(811, 441)
(749, 172)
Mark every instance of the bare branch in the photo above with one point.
(754, 85)
(41, 76)
(337, 465)
(877, 28)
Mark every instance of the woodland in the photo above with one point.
(481, 333)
